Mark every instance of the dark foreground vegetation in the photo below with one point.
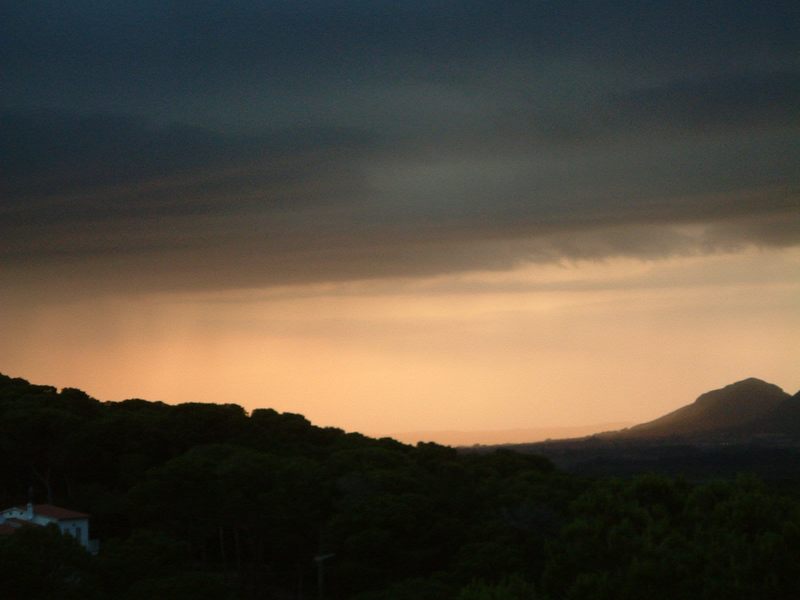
(204, 501)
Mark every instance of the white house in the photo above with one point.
(70, 522)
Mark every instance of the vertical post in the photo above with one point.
(300, 595)
(222, 548)
(321, 574)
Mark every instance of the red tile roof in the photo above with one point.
(49, 510)
(56, 512)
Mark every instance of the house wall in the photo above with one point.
(77, 528)
(12, 513)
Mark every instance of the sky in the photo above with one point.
(402, 216)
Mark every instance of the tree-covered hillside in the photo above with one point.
(205, 501)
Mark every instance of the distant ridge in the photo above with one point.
(502, 436)
(750, 426)
(747, 408)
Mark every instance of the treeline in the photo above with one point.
(205, 501)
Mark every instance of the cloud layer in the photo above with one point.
(209, 145)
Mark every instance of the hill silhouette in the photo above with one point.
(750, 407)
(750, 426)
(783, 420)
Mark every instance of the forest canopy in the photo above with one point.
(207, 501)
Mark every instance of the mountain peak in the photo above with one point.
(746, 390)
(731, 407)
(751, 382)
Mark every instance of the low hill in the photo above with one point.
(783, 420)
(748, 407)
(750, 426)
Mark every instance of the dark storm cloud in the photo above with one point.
(743, 101)
(47, 154)
(178, 144)
(284, 34)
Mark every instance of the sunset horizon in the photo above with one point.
(363, 300)
(468, 216)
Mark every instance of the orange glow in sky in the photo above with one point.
(538, 346)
